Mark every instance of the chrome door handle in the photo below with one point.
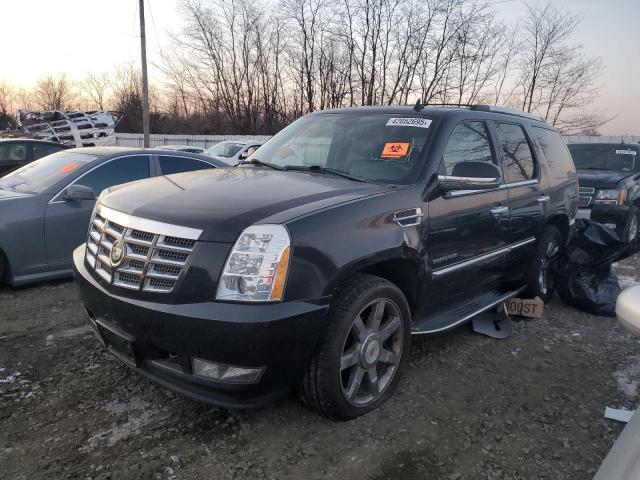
(543, 198)
(497, 211)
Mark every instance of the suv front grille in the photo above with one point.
(153, 256)
(586, 196)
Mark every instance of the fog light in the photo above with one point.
(225, 373)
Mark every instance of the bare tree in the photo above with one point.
(546, 30)
(95, 89)
(53, 93)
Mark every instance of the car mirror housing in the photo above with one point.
(79, 192)
(471, 175)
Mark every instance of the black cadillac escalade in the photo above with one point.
(313, 263)
(609, 177)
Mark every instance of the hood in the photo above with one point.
(6, 195)
(602, 178)
(223, 202)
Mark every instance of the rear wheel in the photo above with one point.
(359, 361)
(541, 278)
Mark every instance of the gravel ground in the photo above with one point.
(469, 407)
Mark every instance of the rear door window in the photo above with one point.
(170, 164)
(519, 161)
(555, 152)
(43, 149)
(13, 153)
(115, 172)
(468, 142)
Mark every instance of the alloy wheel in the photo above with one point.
(633, 228)
(372, 351)
(549, 268)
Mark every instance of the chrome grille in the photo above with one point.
(155, 253)
(584, 200)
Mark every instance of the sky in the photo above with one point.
(41, 37)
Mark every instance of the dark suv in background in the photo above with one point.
(609, 177)
(312, 263)
(16, 152)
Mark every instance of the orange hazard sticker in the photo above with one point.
(69, 167)
(395, 150)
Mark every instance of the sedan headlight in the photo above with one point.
(612, 197)
(256, 270)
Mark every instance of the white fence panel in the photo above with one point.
(602, 139)
(135, 140)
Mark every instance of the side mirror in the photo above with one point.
(242, 156)
(471, 175)
(79, 192)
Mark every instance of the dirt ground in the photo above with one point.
(469, 407)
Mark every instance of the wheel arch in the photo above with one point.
(403, 269)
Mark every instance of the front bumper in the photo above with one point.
(158, 340)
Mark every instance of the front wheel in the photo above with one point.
(541, 278)
(365, 347)
(630, 232)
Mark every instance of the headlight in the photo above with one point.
(612, 197)
(256, 270)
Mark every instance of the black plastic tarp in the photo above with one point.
(587, 280)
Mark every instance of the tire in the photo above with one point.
(357, 366)
(3, 267)
(541, 277)
(630, 232)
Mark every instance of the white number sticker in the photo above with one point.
(409, 122)
(626, 152)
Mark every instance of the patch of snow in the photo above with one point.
(50, 340)
(628, 378)
(626, 281)
(124, 407)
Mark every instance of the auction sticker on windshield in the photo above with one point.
(409, 122)
(626, 152)
(395, 149)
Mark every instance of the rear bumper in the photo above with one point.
(162, 339)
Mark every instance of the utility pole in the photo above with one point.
(145, 80)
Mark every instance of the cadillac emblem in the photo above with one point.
(117, 254)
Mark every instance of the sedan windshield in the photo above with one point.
(225, 149)
(38, 176)
(379, 148)
(616, 158)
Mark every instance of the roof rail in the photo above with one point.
(508, 111)
(460, 105)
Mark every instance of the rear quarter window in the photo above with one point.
(555, 152)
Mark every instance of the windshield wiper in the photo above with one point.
(260, 163)
(320, 169)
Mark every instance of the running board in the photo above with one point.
(466, 310)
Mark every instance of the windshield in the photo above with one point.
(616, 158)
(225, 149)
(37, 176)
(375, 147)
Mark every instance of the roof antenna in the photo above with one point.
(418, 106)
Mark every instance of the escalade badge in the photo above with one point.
(117, 254)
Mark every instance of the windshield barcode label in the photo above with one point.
(409, 122)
